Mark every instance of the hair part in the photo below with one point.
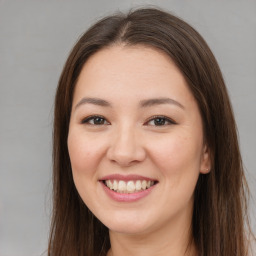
(220, 204)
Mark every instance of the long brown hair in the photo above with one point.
(220, 201)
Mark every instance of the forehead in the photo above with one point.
(123, 58)
(131, 70)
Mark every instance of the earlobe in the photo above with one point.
(205, 171)
(205, 161)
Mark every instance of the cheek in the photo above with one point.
(178, 162)
(85, 153)
(178, 157)
(84, 156)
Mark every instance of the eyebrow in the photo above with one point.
(94, 101)
(143, 103)
(160, 101)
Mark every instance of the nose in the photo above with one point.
(126, 147)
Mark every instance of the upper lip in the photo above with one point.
(126, 177)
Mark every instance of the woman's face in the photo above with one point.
(135, 140)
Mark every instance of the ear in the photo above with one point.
(205, 166)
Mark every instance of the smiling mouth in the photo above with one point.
(128, 187)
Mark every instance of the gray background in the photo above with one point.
(35, 39)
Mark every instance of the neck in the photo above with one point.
(172, 240)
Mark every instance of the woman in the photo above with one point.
(146, 157)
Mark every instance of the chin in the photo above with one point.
(129, 229)
(127, 224)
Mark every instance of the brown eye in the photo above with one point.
(160, 121)
(95, 120)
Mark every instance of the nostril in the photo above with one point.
(126, 156)
(126, 148)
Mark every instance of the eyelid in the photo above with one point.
(168, 119)
(90, 117)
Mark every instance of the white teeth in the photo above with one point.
(138, 185)
(121, 186)
(129, 186)
(109, 184)
(115, 185)
(144, 184)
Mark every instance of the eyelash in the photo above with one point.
(93, 118)
(163, 120)
(167, 120)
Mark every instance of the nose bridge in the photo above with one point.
(126, 147)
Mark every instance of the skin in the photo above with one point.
(128, 140)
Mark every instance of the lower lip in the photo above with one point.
(124, 197)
